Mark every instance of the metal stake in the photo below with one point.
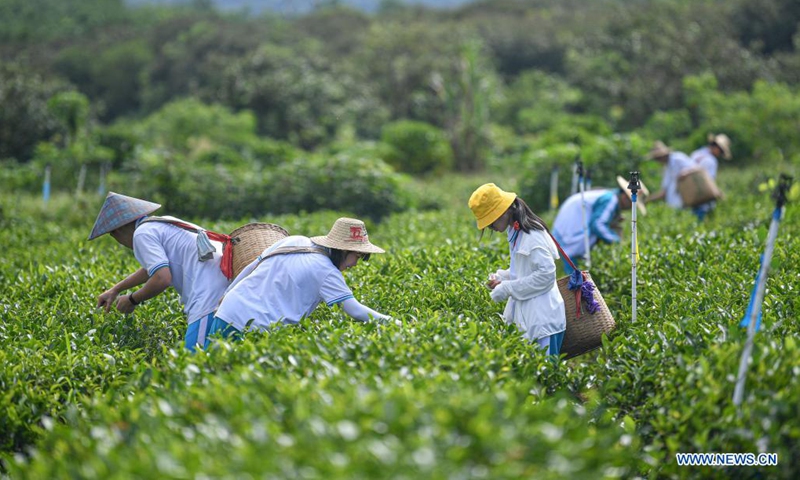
(779, 195)
(634, 186)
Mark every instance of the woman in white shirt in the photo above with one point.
(534, 303)
(292, 277)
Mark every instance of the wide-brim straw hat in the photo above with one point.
(119, 210)
(623, 185)
(349, 234)
(723, 142)
(660, 149)
(489, 202)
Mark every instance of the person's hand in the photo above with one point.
(106, 299)
(616, 224)
(494, 281)
(124, 304)
(499, 294)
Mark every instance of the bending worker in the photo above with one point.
(292, 277)
(719, 146)
(674, 163)
(603, 214)
(169, 256)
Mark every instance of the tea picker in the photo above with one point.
(752, 318)
(634, 186)
(585, 223)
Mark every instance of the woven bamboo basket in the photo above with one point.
(250, 240)
(584, 333)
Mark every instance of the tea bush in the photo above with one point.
(450, 391)
(417, 147)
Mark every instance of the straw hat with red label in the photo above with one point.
(348, 234)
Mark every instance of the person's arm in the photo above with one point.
(157, 283)
(601, 224)
(106, 299)
(360, 312)
(540, 281)
(656, 196)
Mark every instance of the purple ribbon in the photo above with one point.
(587, 295)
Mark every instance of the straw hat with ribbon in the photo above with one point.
(623, 185)
(348, 234)
(489, 202)
(119, 210)
(723, 142)
(660, 149)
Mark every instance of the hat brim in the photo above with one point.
(497, 212)
(363, 247)
(623, 185)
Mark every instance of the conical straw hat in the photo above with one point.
(348, 234)
(119, 210)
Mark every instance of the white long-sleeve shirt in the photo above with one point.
(534, 302)
(705, 159)
(678, 162)
(602, 207)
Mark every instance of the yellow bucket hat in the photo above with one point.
(489, 202)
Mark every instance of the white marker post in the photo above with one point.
(634, 186)
(554, 188)
(583, 216)
(46, 184)
(779, 195)
(573, 189)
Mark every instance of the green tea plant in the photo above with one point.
(447, 391)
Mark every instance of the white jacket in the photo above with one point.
(534, 302)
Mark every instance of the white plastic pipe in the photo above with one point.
(633, 256)
(738, 392)
(585, 225)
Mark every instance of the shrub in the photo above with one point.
(418, 148)
(353, 183)
(605, 157)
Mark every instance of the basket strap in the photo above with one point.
(226, 263)
(569, 260)
(288, 250)
(562, 252)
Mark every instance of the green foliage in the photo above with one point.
(668, 125)
(38, 20)
(605, 157)
(300, 95)
(25, 119)
(15, 177)
(111, 74)
(346, 181)
(181, 122)
(72, 111)
(536, 101)
(417, 147)
(449, 391)
(762, 124)
(398, 59)
(467, 91)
